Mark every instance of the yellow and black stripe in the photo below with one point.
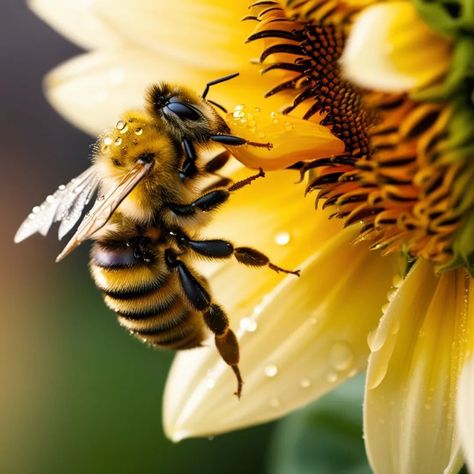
(146, 297)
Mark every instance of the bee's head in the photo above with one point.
(184, 112)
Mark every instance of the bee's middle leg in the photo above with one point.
(219, 248)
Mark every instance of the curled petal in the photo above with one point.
(391, 49)
(292, 139)
(418, 351)
(302, 339)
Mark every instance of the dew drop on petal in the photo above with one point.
(36, 209)
(341, 356)
(305, 383)
(274, 402)
(61, 187)
(332, 377)
(271, 370)
(282, 238)
(210, 383)
(248, 324)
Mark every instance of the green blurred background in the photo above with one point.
(78, 395)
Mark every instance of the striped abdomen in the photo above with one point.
(146, 298)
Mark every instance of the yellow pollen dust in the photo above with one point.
(292, 139)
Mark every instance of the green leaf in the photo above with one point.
(325, 437)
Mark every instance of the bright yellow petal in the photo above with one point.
(301, 340)
(78, 21)
(292, 139)
(418, 351)
(92, 90)
(391, 49)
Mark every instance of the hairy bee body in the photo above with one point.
(146, 296)
(151, 201)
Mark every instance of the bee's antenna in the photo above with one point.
(218, 81)
(217, 105)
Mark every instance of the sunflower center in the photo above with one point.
(395, 176)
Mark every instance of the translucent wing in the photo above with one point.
(105, 206)
(65, 206)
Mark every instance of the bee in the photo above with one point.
(149, 204)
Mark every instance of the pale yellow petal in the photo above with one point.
(290, 139)
(206, 34)
(299, 341)
(391, 49)
(465, 406)
(78, 21)
(92, 90)
(418, 349)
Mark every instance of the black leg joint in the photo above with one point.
(228, 140)
(211, 200)
(216, 320)
(194, 291)
(189, 169)
(212, 248)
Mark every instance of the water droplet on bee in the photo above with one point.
(248, 324)
(118, 141)
(239, 107)
(120, 125)
(341, 356)
(257, 109)
(138, 131)
(283, 238)
(273, 115)
(271, 370)
(261, 135)
(305, 383)
(289, 126)
(107, 141)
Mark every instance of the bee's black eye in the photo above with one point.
(182, 110)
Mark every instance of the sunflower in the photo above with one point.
(372, 103)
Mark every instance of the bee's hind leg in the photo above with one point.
(214, 317)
